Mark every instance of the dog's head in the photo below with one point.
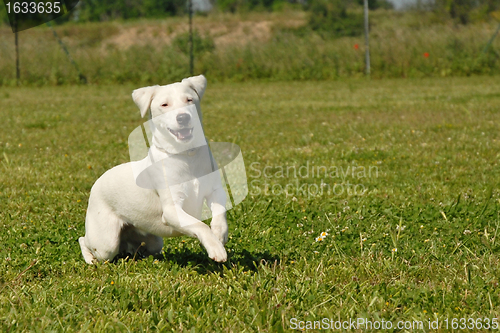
(175, 112)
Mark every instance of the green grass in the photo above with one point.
(434, 198)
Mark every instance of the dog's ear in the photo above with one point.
(142, 98)
(197, 83)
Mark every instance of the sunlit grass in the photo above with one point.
(419, 242)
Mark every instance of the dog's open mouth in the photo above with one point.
(183, 134)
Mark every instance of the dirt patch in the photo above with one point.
(244, 33)
(142, 35)
(224, 33)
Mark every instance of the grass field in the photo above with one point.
(414, 239)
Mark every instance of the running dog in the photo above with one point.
(123, 217)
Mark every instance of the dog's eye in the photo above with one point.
(164, 105)
(189, 100)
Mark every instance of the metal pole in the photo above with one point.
(191, 56)
(16, 42)
(367, 41)
(18, 75)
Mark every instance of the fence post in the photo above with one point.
(16, 42)
(367, 40)
(191, 56)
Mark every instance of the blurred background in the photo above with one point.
(147, 41)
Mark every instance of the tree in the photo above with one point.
(331, 17)
(460, 10)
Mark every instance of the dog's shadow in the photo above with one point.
(199, 261)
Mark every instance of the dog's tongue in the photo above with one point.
(183, 133)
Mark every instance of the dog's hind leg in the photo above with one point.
(87, 255)
(154, 245)
(102, 234)
(134, 241)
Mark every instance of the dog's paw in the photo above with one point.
(217, 253)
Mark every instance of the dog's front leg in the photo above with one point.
(175, 217)
(217, 203)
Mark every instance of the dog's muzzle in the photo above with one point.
(184, 134)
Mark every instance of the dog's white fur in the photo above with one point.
(122, 215)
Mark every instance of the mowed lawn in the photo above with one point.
(402, 175)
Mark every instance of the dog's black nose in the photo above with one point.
(183, 118)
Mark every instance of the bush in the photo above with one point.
(376, 4)
(4, 19)
(160, 8)
(234, 6)
(330, 17)
(463, 10)
(105, 10)
(201, 44)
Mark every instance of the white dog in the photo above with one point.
(123, 216)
